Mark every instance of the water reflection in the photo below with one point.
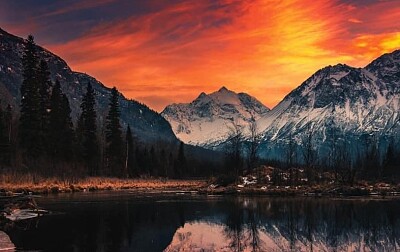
(126, 223)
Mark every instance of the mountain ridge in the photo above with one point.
(353, 102)
(146, 124)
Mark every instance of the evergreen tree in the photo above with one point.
(3, 127)
(130, 153)
(8, 121)
(180, 164)
(44, 85)
(170, 165)
(154, 164)
(5, 135)
(114, 147)
(163, 163)
(60, 126)
(144, 161)
(3, 143)
(30, 124)
(87, 130)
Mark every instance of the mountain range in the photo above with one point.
(337, 103)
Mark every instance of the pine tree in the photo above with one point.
(154, 162)
(44, 86)
(180, 164)
(60, 126)
(30, 124)
(130, 153)
(8, 122)
(171, 165)
(87, 131)
(114, 147)
(5, 134)
(3, 127)
(3, 143)
(163, 163)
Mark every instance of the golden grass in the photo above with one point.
(37, 184)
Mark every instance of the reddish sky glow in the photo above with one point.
(160, 52)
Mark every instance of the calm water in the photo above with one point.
(127, 222)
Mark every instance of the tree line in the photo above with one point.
(366, 157)
(42, 138)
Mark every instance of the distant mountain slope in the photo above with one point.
(206, 121)
(146, 124)
(353, 102)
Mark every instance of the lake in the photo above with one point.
(125, 221)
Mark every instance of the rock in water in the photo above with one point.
(5, 243)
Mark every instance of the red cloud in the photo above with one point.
(250, 46)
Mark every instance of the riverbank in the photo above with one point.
(55, 185)
(38, 185)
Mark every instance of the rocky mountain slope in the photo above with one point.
(208, 119)
(146, 124)
(340, 101)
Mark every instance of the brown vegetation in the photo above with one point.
(12, 182)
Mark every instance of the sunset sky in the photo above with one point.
(165, 51)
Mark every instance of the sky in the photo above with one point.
(169, 51)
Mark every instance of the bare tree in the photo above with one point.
(290, 151)
(253, 145)
(342, 162)
(234, 145)
(308, 150)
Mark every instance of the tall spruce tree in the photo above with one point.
(8, 122)
(60, 126)
(44, 86)
(30, 124)
(130, 153)
(87, 131)
(180, 164)
(3, 137)
(114, 149)
(3, 127)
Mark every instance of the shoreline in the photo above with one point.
(196, 186)
(54, 186)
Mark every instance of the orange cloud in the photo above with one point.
(355, 20)
(250, 46)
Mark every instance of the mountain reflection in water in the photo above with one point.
(123, 222)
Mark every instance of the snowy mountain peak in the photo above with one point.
(208, 118)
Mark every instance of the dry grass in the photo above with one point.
(41, 185)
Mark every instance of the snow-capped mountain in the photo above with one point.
(146, 124)
(352, 102)
(338, 103)
(208, 119)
